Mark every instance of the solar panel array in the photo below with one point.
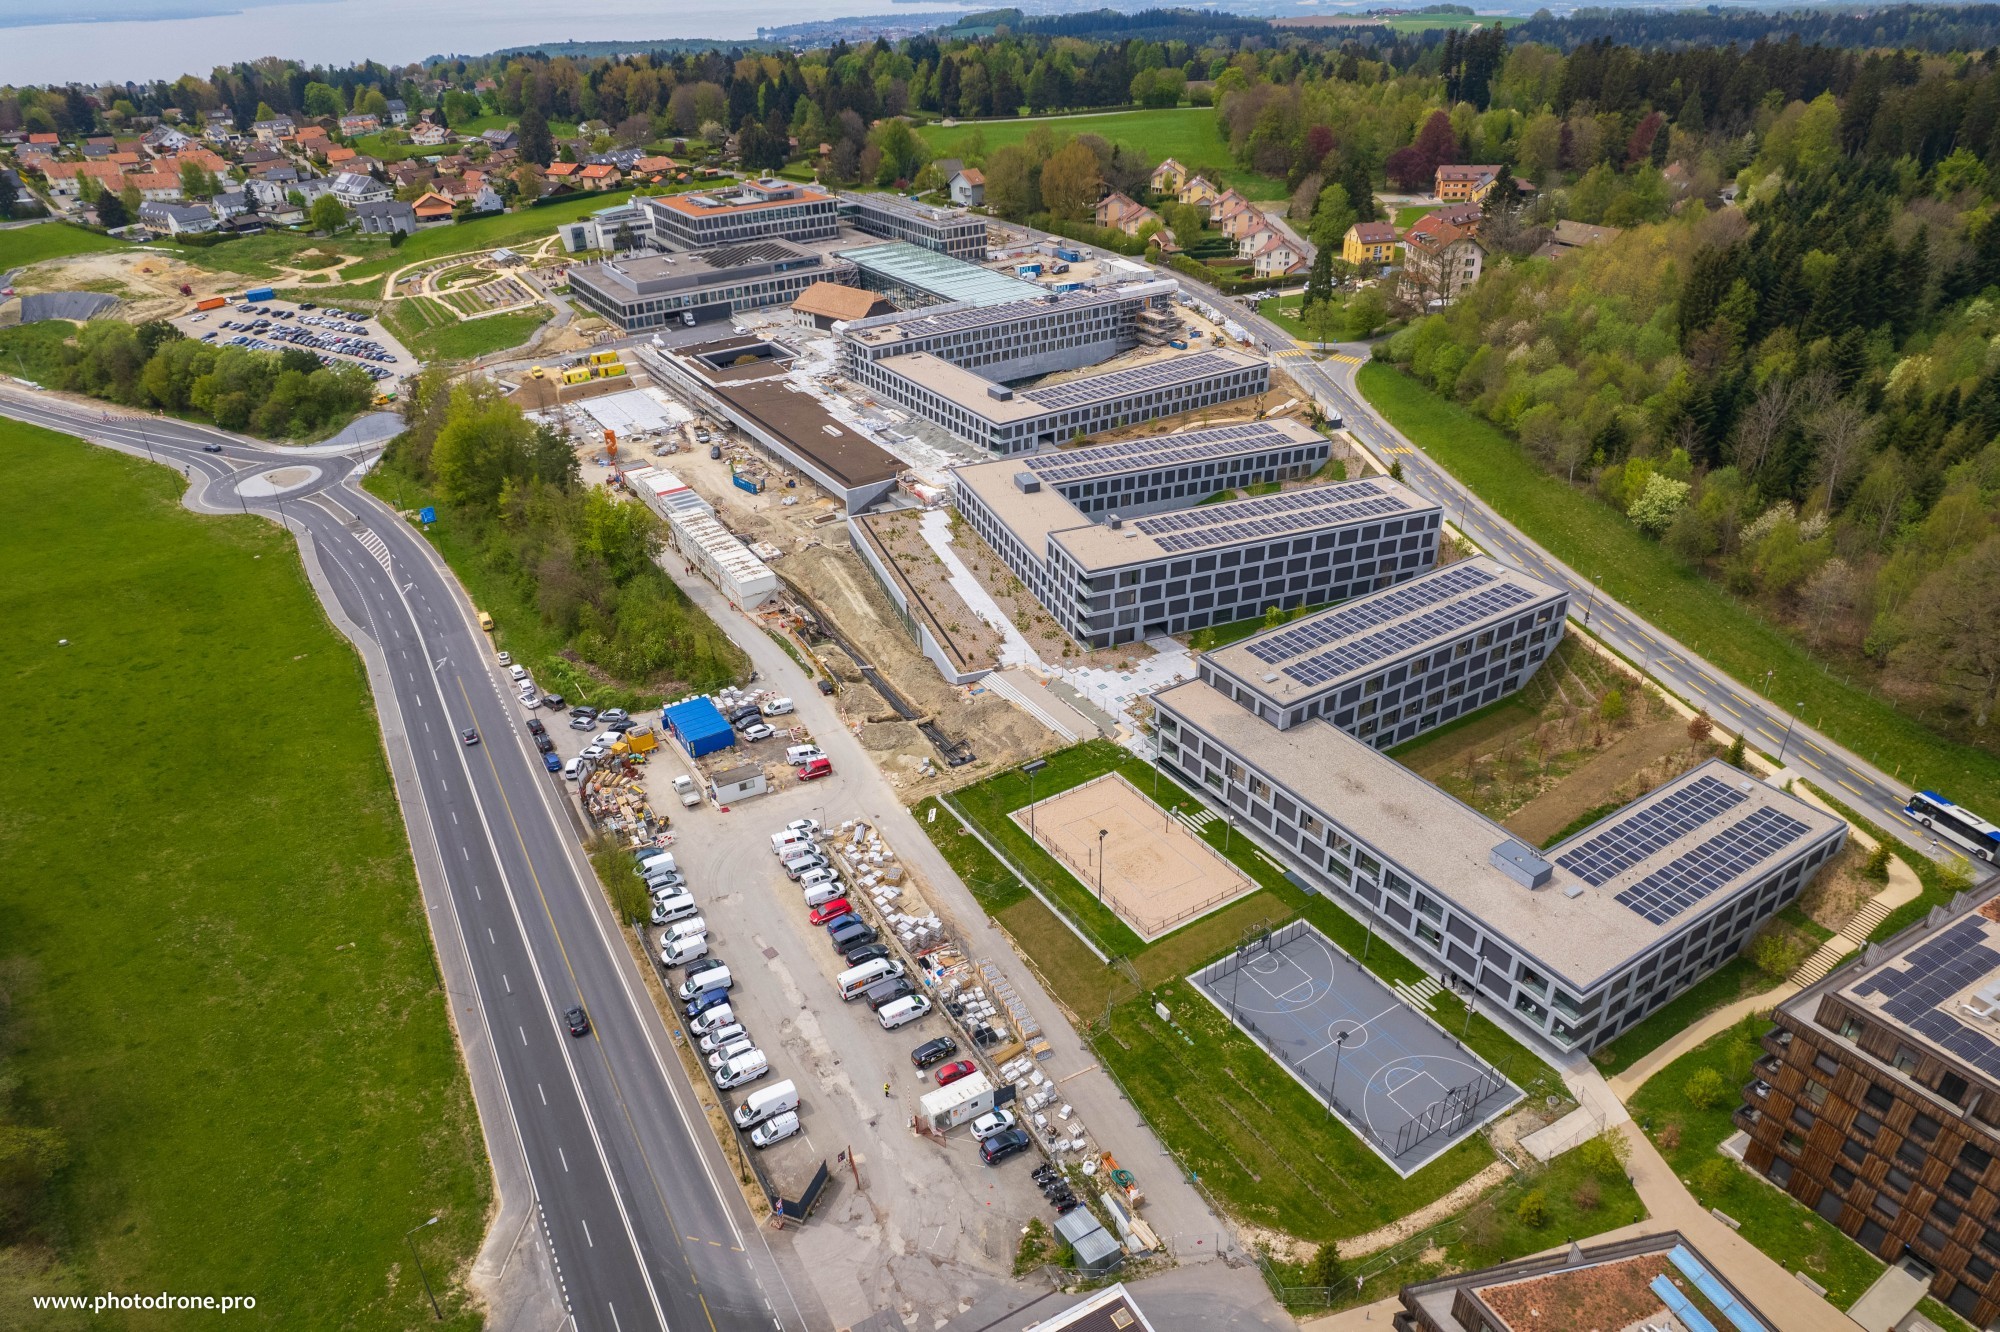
(1445, 621)
(1305, 510)
(921, 325)
(1145, 455)
(1718, 862)
(1357, 617)
(1646, 829)
(1140, 379)
(1941, 966)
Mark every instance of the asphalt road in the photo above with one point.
(643, 1220)
(1872, 793)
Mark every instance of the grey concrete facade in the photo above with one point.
(892, 217)
(754, 210)
(650, 291)
(1016, 341)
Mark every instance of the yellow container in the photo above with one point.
(604, 358)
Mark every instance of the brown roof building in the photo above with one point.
(825, 303)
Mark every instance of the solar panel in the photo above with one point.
(1145, 455)
(1943, 965)
(1408, 635)
(1718, 862)
(1345, 622)
(1645, 830)
(1311, 509)
(918, 324)
(1118, 383)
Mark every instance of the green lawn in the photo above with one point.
(486, 233)
(1218, 1102)
(1408, 217)
(21, 246)
(1188, 134)
(1789, 1232)
(1596, 540)
(1733, 980)
(221, 982)
(434, 333)
(259, 256)
(379, 146)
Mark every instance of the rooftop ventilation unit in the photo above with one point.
(999, 393)
(1520, 864)
(1027, 482)
(1115, 521)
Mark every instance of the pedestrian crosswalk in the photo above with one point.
(1304, 353)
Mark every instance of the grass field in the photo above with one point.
(1216, 1099)
(1409, 216)
(21, 246)
(220, 974)
(434, 333)
(1735, 979)
(1188, 134)
(1789, 1232)
(1596, 540)
(380, 147)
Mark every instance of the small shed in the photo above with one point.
(699, 725)
(739, 783)
(1096, 1251)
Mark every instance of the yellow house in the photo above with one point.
(1369, 243)
(1168, 177)
(1199, 192)
(1456, 184)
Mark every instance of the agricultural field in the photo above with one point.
(1187, 134)
(255, 1074)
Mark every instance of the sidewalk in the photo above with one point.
(1624, 1084)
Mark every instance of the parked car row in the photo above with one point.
(726, 1048)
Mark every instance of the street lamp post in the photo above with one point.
(1789, 719)
(420, 1265)
(1031, 769)
(1591, 605)
(1333, 1089)
(1102, 833)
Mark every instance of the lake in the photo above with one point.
(342, 32)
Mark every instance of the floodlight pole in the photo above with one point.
(1470, 998)
(1102, 833)
(420, 1265)
(1789, 719)
(1333, 1090)
(1031, 769)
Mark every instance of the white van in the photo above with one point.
(803, 859)
(714, 1020)
(775, 1099)
(788, 840)
(674, 906)
(746, 1067)
(778, 707)
(741, 1045)
(720, 1037)
(813, 878)
(904, 1011)
(717, 978)
(680, 952)
(824, 891)
(856, 979)
(655, 864)
(777, 1129)
(694, 927)
(689, 793)
(799, 755)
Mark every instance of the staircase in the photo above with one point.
(1853, 935)
(1420, 994)
(1864, 921)
(1019, 697)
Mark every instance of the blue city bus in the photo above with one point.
(1955, 823)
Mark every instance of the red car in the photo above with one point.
(956, 1069)
(833, 910)
(819, 767)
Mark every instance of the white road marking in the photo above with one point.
(489, 936)
(504, 981)
(524, 1041)
(544, 1095)
(565, 1159)
(591, 1242)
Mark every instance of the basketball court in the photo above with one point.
(1394, 1076)
(1156, 873)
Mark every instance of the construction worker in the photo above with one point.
(885, 1090)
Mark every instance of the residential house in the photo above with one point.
(946, 168)
(1440, 260)
(399, 111)
(360, 124)
(501, 138)
(1252, 236)
(340, 157)
(1460, 215)
(968, 187)
(354, 190)
(201, 157)
(276, 188)
(1278, 255)
(361, 164)
(274, 131)
(654, 168)
(432, 207)
(1568, 235)
(1116, 212)
(404, 174)
(313, 140)
(49, 141)
(234, 203)
(430, 135)
(99, 146)
(561, 176)
(599, 176)
(253, 158)
(165, 140)
(176, 219)
(124, 161)
(65, 179)
(1457, 184)
(1168, 177)
(1198, 192)
(1369, 244)
(1479, 192)
(386, 219)
(472, 191)
(155, 186)
(1239, 219)
(1228, 205)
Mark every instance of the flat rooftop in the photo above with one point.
(1683, 843)
(970, 390)
(1651, 1281)
(747, 198)
(1097, 462)
(940, 275)
(1322, 651)
(911, 208)
(664, 274)
(941, 321)
(1939, 986)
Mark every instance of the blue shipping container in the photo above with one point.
(1072, 256)
(745, 483)
(699, 725)
(260, 294)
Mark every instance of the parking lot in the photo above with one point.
(911, 1222)
(335, 335)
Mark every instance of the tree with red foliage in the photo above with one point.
(1319, 142)
(1640, 147)
(1415, 167)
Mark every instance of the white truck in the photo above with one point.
(689, 793)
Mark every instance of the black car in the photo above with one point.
(211, 448)
(866, 953)
(545, 745)
(578, 1020)
(1006, 1143)
(535, 726)
(553, 702)
(826, 686)
(849, 931)
(743, 716)
(470, 736)
(934, 1052)
(622, 725)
